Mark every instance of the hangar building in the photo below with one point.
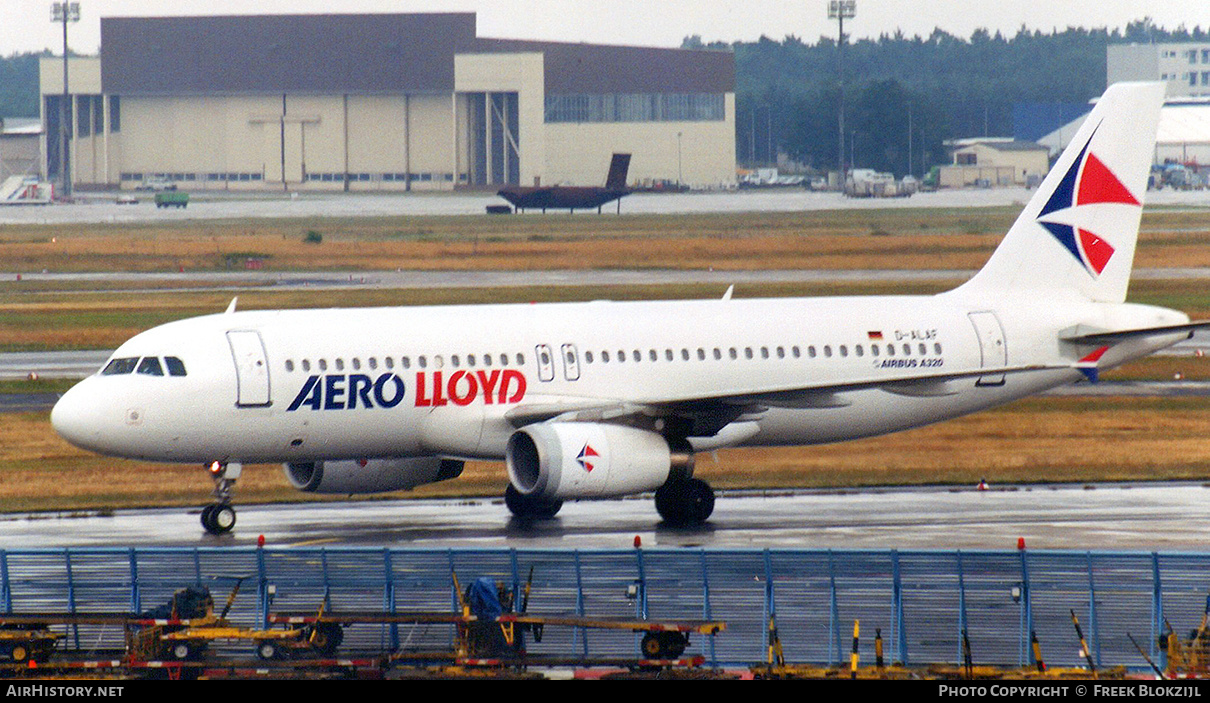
(383, 102)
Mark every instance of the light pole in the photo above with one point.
(64, 13)
(839, 10)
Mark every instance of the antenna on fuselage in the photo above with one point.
(231, 307)
(730, 290)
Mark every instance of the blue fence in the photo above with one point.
(920, 601)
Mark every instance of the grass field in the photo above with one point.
(1039, 440)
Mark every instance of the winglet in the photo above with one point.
(231, 307)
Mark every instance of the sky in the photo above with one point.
(25, 24)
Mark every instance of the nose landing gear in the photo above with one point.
(219, 517)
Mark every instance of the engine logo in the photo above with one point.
(586, 457)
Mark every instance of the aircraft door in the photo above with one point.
(991, 345)
(251, 368)
(571, 362)
(546, 362)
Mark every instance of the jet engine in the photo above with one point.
(370, 475)
(560, 460)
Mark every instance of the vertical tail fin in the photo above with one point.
(1078, 232)
(619, 166)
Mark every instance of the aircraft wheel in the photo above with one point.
(530, 508)
(218, 519)
(685, 502)
(19, 653)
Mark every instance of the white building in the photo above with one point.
(1185, 66)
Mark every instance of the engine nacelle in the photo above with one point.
(370, 475)
(560, 460)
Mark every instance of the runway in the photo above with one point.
(1174, 517)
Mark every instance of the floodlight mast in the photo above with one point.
(64, 13)
(839, 10)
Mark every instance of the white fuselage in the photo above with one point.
(305, 385)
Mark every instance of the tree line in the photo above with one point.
(905, 95)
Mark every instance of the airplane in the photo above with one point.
(573, 197)
(607, 399)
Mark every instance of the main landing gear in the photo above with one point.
(685, 502)
(219, 517)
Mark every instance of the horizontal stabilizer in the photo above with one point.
(1122, 335)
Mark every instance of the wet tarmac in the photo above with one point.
(1174, 517)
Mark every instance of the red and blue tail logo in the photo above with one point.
(1087, 182)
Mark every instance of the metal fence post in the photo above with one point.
(8, 591)
(706, 605)
(897, 607)
(961, 608)
(834, 635)
(136, 594)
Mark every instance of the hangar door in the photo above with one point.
(251, 368)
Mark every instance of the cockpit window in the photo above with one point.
(150, 366)
(176, 367)
(117, 367)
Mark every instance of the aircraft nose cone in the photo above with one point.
(73, 417)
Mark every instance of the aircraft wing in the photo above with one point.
(709, 414)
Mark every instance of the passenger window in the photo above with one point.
(874, 350)
(781, 352)
(289, 364)
(588, 356)
(684, 354)
(621, 356)
(306, 365)
(733, 354)
(844, 350)
(340, 364)
(638, 356)
(937, 347)
(356, 364)
(718, 354)
(422, 362)
(653, 354)
(118, 367)
(668, 354)
(520, 360)
(373, 363)
(487, 359)
(764, 352)
(406, 362)
(701, 354)
(811, 351)
(323, 364)
(860, 350)
(907, 350)
(747, 352)
(389, 362)
(176, 367)
(150, 366)
(795, 351)
(605, 357)
(454, 360)
(827, 350)
(923, 349)
(470, 359)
